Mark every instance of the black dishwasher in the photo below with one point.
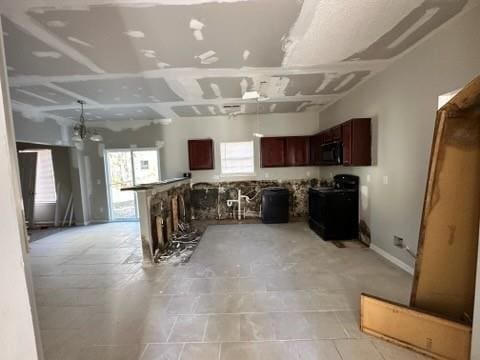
(275, 205)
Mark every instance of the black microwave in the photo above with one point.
(332, 153)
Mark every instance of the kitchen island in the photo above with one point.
(161, 206)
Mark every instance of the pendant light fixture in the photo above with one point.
(80, 130)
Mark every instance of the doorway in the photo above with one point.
(125, 168)
(38, 184)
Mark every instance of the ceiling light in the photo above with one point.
(166, 121)
(80, 130)
(250, 95)
(95, 137)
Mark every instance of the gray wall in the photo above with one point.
(402, 101)
(41, 131)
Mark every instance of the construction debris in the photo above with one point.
(180, 247)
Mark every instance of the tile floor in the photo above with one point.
(249, 292)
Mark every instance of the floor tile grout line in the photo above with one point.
(144, 351)
(205, 329)
(337, 350)
(180, 354)
(173, 327)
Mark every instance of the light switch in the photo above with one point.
(385, 179)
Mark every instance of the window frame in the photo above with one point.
(240, 173)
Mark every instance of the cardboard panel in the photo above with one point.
(420, 331)
(444, 281)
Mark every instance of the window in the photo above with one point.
(44, 178)
(237, 157)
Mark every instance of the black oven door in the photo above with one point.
(332, 153)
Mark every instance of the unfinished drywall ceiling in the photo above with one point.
(154, 59)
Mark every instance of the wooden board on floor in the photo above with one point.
(415, 329)
(444, 281)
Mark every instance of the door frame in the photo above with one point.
(107, 178)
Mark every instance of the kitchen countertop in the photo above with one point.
(153, 185)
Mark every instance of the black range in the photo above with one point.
(333, 211)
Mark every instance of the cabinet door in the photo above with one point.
(361, 142)
(272, 151)
(297, 151)
(347, 142)
(316, 149)
(336, 133)
(200, 154)
(327, 136)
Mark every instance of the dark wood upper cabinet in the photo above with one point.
(336, 133)
(357, 142)
(327, 136)
(316, 142)
(200, 154)
(347, 142)
(272, 151)
(298, 150)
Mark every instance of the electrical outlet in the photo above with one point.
(398, 241)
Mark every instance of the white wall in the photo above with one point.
(402, 102)
(240, 128)
(19, 325)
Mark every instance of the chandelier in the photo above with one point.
(80, 131)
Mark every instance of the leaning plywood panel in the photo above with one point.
(444, 281)
(417, 330)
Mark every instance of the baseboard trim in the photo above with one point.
(98, 221)
(392, 259)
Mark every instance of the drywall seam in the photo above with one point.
(37, 115)
(72, 4)
(217, 101)
(199, 73)
(72, 94)
(392, 259)
(30, 26)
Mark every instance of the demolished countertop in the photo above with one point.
(154, 185)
